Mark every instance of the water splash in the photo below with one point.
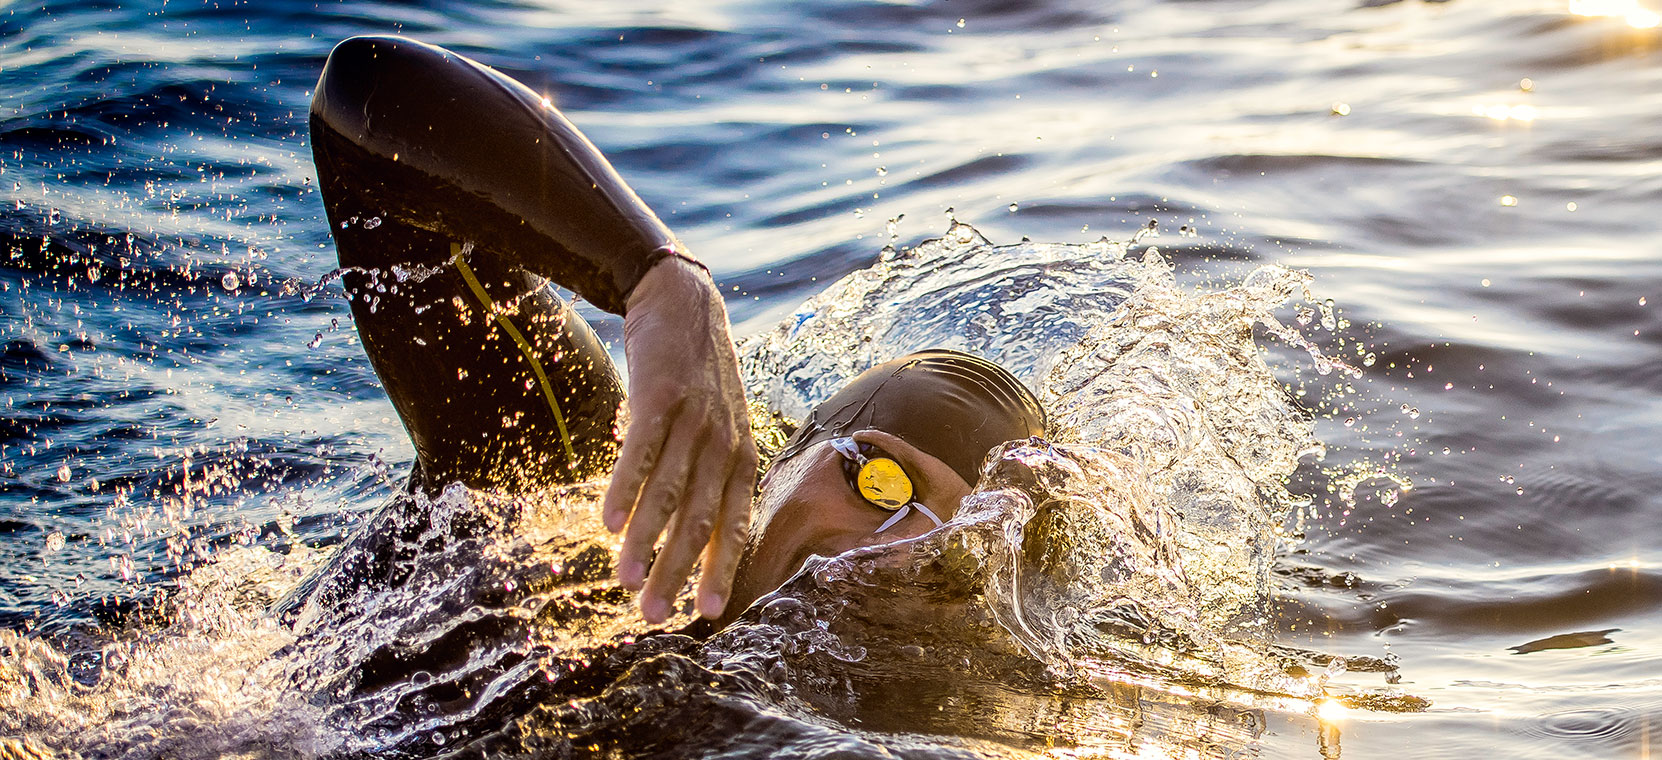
(1118, 567)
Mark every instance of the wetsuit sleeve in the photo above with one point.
(408, 132)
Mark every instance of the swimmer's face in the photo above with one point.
(807, 507)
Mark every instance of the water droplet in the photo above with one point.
(52, 217)
(1350, 421)
(230, 281)
(63, 473)
(1012, 208)
(1367, 361)
(54, 542)
(882, 171)
(372, 222)
(315, 341)
(960, 23)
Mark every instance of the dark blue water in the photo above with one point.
(1474, 185)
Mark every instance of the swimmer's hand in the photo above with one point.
(688, 462)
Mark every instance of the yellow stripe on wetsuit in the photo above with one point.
(519, 339)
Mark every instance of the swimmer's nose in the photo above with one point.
(419, 135)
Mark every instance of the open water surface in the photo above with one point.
(190, 424)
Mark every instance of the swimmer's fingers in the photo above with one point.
(661, 496)
(721, 555)
(695, 521)
(642, 446)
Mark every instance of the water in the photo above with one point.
(1471, 183)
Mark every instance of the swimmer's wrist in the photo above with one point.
(675, 272)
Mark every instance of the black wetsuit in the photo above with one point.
(454, 193)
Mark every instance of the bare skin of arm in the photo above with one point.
(687, 468)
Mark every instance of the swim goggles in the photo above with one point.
(880, 481)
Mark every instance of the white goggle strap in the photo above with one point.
(894, 518)
(901, 513)
(848, 448)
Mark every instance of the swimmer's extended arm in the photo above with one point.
(432, 140)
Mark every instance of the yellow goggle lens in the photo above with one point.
(883, 483)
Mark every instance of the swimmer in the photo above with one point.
(455, 194)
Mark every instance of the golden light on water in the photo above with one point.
(1331, 711)
(1636, 15)
(1503, 112)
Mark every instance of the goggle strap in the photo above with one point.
(897, 517)
(927, 513)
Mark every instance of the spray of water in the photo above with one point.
(1098, 580)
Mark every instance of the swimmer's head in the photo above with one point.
(886, 458)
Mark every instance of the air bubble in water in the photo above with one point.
(230, 281)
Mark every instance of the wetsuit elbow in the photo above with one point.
(413, 133)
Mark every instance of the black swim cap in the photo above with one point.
(954, 406)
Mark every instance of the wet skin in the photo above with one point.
(807, 507)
